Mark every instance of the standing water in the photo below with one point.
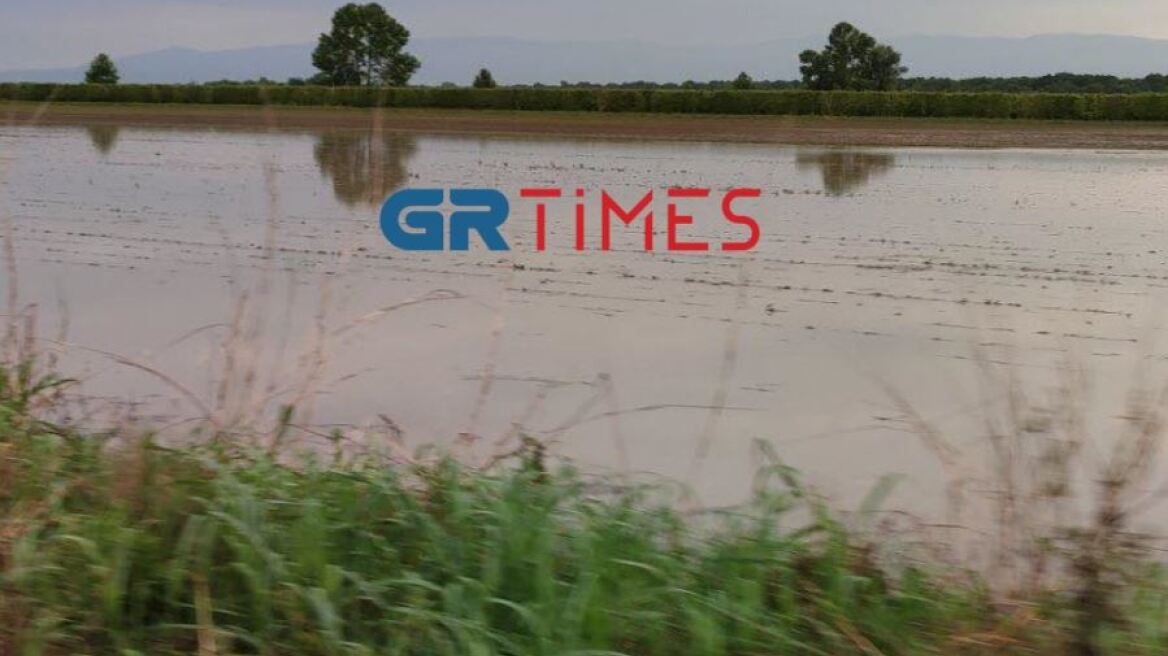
(884, 280)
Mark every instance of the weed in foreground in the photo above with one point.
(143, 549)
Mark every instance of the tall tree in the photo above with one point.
(484, 80)
(851, 60)
(743, 82)
(882, 67)
(102, 70)
(365, 47)
(816, 70)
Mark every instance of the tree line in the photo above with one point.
(1056, 83)
(366, 47)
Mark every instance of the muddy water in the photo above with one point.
(881, 274)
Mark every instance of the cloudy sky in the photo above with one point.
(46, 33)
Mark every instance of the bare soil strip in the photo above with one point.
(794, 130)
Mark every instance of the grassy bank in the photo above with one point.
(1114, 107)
(112, 544)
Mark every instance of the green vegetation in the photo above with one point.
(853, 61)
(743, 82)
(1057, 83)
(1141, 107)
(232, 541)
(102, 70)
(484, 80)
(154, 551)
(364, 47)
(113, 544)
(223, 549)
(1064, 83)
(363, 64)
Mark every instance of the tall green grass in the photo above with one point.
(113, 544)
(149, 550)
(1067, 106)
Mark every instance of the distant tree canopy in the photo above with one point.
(711, 85)
(365, 47)
(743, 82)
(1056, 83)
(260, 81)
(102, 71)
(484, 80)
(851, 60)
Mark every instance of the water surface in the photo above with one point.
(880, 274)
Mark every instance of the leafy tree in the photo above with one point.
(743, 82)
(364, 48)
(816, 70)
(102, 71)
(851, 60)
(881, 68)
(484, 80)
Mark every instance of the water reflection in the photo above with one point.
(364, 167)
(845, 171)
(103, 137)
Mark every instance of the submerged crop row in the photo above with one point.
(1069, 106)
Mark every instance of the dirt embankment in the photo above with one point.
(825, 131)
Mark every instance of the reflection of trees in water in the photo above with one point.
(103, 137)
(364, 167)
(845, 171)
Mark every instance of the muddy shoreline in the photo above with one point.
(792, 130)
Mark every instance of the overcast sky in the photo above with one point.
(45, 33)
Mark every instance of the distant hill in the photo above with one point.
(526, 61)
(955, 56)
(189, 65)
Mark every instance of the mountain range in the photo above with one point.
(514, 60)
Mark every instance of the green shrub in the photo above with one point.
(1062, 106)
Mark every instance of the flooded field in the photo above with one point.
(885, 278)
